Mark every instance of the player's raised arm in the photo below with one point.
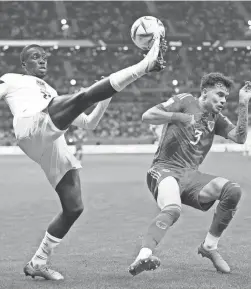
(92, 120)
(239, 133)
(170, 111)
(3, 89)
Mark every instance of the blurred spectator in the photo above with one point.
(111, 21)
(72, 68)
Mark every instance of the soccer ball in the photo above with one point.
(144, 29)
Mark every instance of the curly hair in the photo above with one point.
(209, 80)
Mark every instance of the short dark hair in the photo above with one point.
(209, 80)
(23, 53)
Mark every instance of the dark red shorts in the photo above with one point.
(190, 181)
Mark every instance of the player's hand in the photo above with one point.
(245, 92)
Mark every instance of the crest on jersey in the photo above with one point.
(210, 125)
(41, 84)
(44, 92)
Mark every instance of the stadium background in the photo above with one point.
(87, 40)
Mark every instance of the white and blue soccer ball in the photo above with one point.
(144, 29)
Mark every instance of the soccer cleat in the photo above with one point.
(42, 271)
(219, 263)
(163, 45)
(154, 59)
(149, 264)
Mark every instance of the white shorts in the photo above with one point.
(40, 140)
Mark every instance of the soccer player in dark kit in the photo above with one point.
(189, 127)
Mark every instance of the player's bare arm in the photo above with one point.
(3, 89)
(157, 115)
(239, 133)
(92, 120)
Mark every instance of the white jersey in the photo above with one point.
(27, 94)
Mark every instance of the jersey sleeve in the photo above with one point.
(54, 92)
(3, 87)
(5, 78)
(176, 103)
(223, 126)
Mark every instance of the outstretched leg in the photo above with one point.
(64, 109)
(228, 194)
(69, 192)
(170, 205)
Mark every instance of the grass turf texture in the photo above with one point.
(104, 241)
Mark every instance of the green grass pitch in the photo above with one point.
(104, 241)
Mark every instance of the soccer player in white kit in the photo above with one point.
(41, 118)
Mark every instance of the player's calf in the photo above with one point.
(225, 210)
(69, 192)
(62, 223)
(145, 261)
(157, 230)
(74, 213)
(229, 198)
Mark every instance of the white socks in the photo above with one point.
(144, 254)
(121, 79)
(45, 249)
(211, 242)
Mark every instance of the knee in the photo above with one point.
(173, 211)
(78, 210)
(74, 211)
(231, 194)
(237, 194)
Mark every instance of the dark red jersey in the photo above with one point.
(187, 146)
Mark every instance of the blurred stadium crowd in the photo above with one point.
(108, 24)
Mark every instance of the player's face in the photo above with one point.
(215, 98)
(36, 62)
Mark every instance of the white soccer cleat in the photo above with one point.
(139, 265)
(42, 271)
(154, 59)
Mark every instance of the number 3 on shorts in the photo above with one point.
(197, 136)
